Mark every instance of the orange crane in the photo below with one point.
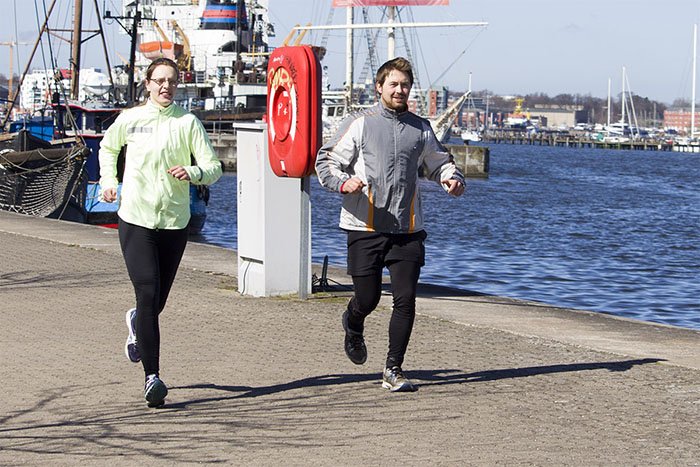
(185, 60)
(160, 31)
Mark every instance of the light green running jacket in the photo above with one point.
(157, 139)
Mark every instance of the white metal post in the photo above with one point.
(692, 101)
(391, 39)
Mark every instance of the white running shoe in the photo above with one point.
(155, 391)
(131, 348)
(394, 380)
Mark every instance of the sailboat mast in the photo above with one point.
(76, 43)
(348, 58)
(622, 118)
(15, 96)
(608, 102)
(470, 107)
(692, 101)
(487, 119)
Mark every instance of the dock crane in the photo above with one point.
(160, 31)
(184, 61)
(11, 45)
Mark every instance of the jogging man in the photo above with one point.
(374, 160)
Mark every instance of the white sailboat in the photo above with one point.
(470, 134)
(690, 143)
(627, 127)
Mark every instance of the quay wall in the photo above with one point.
(473, 161)
(225, 148)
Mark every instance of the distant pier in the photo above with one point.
(571, 141)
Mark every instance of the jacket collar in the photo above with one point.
(389, 113)
(153, 107)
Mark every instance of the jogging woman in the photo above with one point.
(154, 208)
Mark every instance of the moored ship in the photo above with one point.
(220, 46)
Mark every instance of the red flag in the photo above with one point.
(347, 3)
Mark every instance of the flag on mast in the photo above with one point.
(353, 3)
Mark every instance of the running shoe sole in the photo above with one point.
(404, 387)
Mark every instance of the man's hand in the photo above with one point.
(453, 187)
(352, 185)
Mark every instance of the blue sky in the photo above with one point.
(550, 46)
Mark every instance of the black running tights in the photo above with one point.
(152, 258)
(368, 289)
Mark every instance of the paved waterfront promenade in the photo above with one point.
(265, 381)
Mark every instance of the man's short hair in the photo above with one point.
(399, 64)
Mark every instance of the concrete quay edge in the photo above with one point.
(596, 331)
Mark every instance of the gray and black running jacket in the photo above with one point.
(385, 149)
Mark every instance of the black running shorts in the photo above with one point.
(369, 252)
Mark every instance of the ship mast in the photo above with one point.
(131, 88)
(75, 55)
(133, 32)
(389, 26)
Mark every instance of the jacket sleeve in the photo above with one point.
(208, 168)
(335, 158)
(438, 164)
(110, 146)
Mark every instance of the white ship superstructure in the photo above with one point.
(40, 85)
(202, 36)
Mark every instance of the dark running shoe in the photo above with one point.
(355, 347)
(131, 348)
(155, 391)
(395, 381)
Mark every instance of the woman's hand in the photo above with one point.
(109, 195)
(179, 172)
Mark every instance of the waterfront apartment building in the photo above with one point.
(435, 101)
(680, 121)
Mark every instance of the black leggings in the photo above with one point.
(152, 258)
(368, 289)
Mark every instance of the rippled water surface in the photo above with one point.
(609, 231)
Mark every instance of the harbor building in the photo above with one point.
(566, 116)
(435, 101)
(680, 121)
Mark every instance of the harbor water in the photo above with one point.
(608, 231)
